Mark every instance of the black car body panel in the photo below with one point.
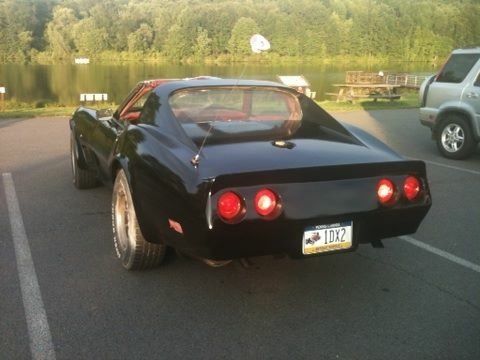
(325, 172)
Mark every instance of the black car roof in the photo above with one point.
(192, 83)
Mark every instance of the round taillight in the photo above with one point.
(411, 188)
(265, 202)
(385, 191)
(229, 206)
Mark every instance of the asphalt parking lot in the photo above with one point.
(418, 298)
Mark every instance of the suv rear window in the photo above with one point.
(457, 67)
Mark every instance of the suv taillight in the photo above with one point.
(424, 90)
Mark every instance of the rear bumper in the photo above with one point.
(428, 117)
(281, 236)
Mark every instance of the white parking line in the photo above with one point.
(41, 345)
(442, 253)
(451, 167)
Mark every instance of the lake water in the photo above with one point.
(63, 83)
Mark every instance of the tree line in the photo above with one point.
(202, 30)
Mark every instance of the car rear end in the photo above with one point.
(277, 174)
(311, 211)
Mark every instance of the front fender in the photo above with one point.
(82, 159)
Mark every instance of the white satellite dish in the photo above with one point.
(259, 44)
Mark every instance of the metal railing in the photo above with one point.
(405, 80)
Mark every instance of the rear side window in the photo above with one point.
(151, 106)
(457, 67)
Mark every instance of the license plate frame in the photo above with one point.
(326, 238)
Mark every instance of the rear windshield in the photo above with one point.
(236, 112)
(457, 67)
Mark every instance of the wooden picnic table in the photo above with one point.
(350, 92)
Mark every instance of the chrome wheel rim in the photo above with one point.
(453, 138)
(123, 219)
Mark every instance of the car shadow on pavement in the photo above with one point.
(9, 122)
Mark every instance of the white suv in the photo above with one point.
(450, 104)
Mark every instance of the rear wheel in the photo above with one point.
(82, 178)
(455, 138)
(132, 249)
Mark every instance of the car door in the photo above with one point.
(108, 131)
(105, 136)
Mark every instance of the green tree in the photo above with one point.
(195, 29)
(284, 38)
(88, 38)
(202, 47)
(239, 43)
(60, 32)
(141, 39)
(339, 35)
(17, 22)
(177, 46)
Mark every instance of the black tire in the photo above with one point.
(82, 178)
(455, 138)
(132, 249)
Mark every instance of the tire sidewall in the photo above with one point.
(74, 158)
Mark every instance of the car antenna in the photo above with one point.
(196, 159)
(258, 44)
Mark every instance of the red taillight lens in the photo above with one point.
(229, 206)
(385, 191)
(265, 202)
(411, 188)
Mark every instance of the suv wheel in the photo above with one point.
(454, 138)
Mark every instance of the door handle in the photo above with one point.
(472, 95)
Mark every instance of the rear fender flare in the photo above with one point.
(118, 163)
(461, 109)
(121, 161)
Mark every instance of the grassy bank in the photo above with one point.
(24, 110)
(15, 109)
(30, 112)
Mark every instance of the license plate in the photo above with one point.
(325, 238)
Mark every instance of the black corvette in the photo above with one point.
(224, 169)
